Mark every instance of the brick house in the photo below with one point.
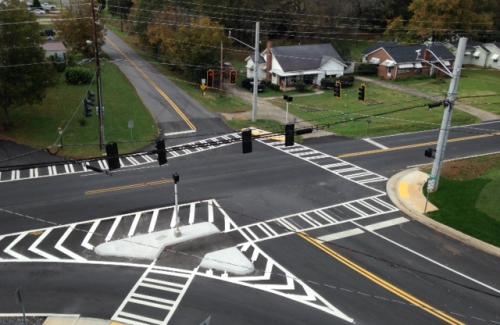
(396, 61)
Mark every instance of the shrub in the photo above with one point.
(79, 75)
(327, 82)
(274, 86)
(346, 80)
(300, 86)
(367, 69)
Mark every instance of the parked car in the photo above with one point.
(248, 84)
(48, 7)
(38, 12)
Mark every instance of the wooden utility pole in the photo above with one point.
(98, 79)
(221, 64)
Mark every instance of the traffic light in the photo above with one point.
(89, 104)
(361, 92)
(336, 89)
(287, 98)
(434, 105)
(112, 157)
(429, 153)
(161, 151)
(289, 134)
(246, 137)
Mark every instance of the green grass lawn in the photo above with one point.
(342, 113)
(470, 204)
(473, 82)
(37, 125)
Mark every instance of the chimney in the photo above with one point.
(269, 59)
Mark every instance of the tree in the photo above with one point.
(76, 29)
(190, 45)
(443, 19)
(25, 74)
(37, 4)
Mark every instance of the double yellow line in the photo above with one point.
(155, 86)
(381, 282)
(128, 187)
(416, 145)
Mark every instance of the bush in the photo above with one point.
(274, 86)
(346, 80)
(300, 86)
(79, 76)
(367, 69)
(327, 82)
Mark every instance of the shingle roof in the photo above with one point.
(54, 47)
(304, 57)
(408, 53)
(378, 45)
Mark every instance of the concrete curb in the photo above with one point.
(393, 192)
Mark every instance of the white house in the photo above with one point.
(493, 60)
(285, 65)
(484, 55)
(250, 68)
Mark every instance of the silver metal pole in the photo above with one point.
(286, 114)
(177, 232)
(256, 72)
(432, 184)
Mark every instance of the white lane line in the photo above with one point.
(134, 224)
(85, 242)
(9, 250)
(63, 249)
(375, 143)
(113, 228)
(179, 132)
(429, 259)
(387, 223)
(341, 234)
(152, 224)
(33, 248)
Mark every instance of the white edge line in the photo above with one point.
(429, 259)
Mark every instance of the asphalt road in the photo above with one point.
(449, 277)
(177, 114)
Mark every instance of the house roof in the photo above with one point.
(261, 59)
(378, 45)
(305, 57)
(54, 46)
(408, 53)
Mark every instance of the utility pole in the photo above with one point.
(177, 231)
(432, 184)
(98, 79)
(256, 72)
(221, 64)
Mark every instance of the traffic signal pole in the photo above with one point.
(256, 71)
(432, 184)
(98, 79)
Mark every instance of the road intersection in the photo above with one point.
(355, 256)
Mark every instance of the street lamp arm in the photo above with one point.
(241, 42)
(447, 72)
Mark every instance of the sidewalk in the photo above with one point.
(405, 191)
(77, 320)
(474, 111)
(269, 111)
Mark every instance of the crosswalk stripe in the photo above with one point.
(192, 209)
(355, 210)
(261, 227)
(113, 228)
(152, 298)
(59, 245)
(326, 216)
(152, 223)
(368, 206)
(141, 318)
(134, 224)
(148, 303)
(159, 287)
(9, 250)
(341, 234)
(271, 230)
(165, 283)
(210, 212)
(314, 222)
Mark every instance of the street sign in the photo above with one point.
(130, 124)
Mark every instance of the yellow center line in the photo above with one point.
(417, 145)
(128, 187)
(381, 282)
(155, 86)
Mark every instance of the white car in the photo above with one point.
(48, 7)
(38, 12)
